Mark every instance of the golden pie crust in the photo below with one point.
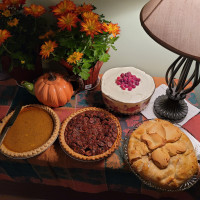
(34, 130)
(82, 157)
(162, 154)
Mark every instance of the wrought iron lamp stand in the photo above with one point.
(172, 106)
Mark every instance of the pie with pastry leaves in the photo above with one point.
(160, 153)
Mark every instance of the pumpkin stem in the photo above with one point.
(51, 77)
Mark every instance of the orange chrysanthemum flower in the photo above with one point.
(76, 56)
(68, 21)
(47, 35)
(84, 8)
(34, 10)
(90, 15)
(13, 22)
(63, 7)
(3, 6)
(6, 13)
(91, 27)
(4, 34)
(15, 3)
(111, 28)
(47, 48)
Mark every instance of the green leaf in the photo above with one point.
(113, 39)
(99, 46)
(86, 65)
(63, 42)
(76, 70)
(114, 47)
(105, 57)
(18, 55)
(96, 53)
(56, 59)
(68, 43)
(84, 74)
(30, 66)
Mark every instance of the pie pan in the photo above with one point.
(40, 148)
(186, 185)
(81, 157)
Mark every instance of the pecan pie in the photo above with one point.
(34, 130)
(90, 134)
(162, 154)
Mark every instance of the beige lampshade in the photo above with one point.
(174, 24)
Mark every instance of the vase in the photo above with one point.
(93, 79)
(21, 74)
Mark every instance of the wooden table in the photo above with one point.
(54, 168)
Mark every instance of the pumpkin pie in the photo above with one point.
(160, 153)
(90, 134)
(34, 130)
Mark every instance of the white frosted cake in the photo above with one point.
(141, 91)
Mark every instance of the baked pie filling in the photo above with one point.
(90, 134)
(34, 130)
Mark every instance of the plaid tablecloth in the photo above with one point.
(54, 167)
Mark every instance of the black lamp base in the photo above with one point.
(172, 106)
(171, 110)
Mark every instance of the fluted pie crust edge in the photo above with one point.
(78, 156)
(34, 152)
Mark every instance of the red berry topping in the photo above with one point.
(122, 75)
(130, 88)
(136, 83)
(127, 80)
(118, 82)
(122, 86)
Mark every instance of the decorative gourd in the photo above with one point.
(53, 90)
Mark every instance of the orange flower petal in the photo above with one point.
(3, 6)
(13, 22)
(47, 35)
(4, 34)
(76, 56)
(63, 7)
(91, 27)
(15, 3)
(34, 10)
(84, 8)
(6, 13)
(90, 15)
(47, 48)
(68, 21)
(111, 28)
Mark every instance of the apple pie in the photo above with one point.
(162, 154)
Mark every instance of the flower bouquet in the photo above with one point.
(20, 31)
(82, 38)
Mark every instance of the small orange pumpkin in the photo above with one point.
(53, 90)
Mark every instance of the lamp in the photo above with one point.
(174, 24)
